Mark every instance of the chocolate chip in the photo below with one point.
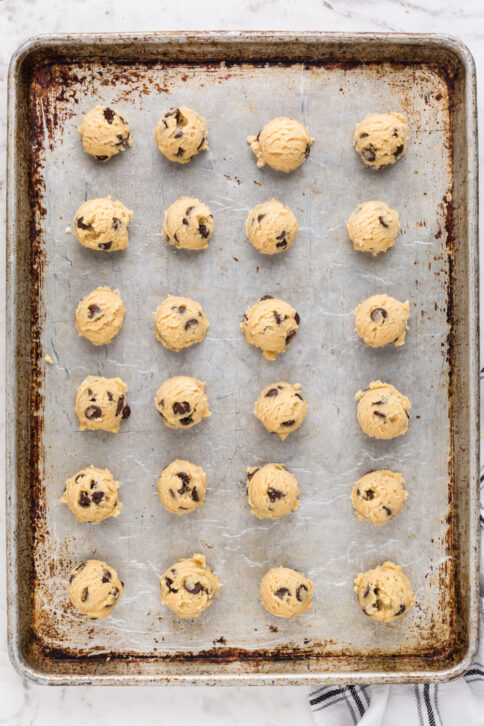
(282, 592)
(173, 112)
(290, 336)
(172, 493)
(185, 221)
(407, 414)
(275, 494)
(93, 310)
(101, 158)
(201, 143)
(379, 315)
(181, 309)
(84, 500)
(277, 317)
(395, 132)
(288, 423)
(398, 150)
(188, 210)
(378, 604)
(369, 494)
(282, 245)
(120, 405)
(367, 591)
(116, 224)
(271, 393)
(190, 322)
(203, 231)
(114, 593)
(250, 474)
(379, 414)
(110, 396)
(85, 594)
(363, 135)
(307, 151)
(97, 497)
(302, 593)
(192, 590)
(126, 412)
(260, 217)
(108, 114)
(93, 412)
(90, 393)
(121, 139)
(184, 477)
(80, 567)
(105, 245)
(381, 402)
(387, 510)
(176, 238)
(181, 407)
(106, 576)
(178, 135)
(383, 223)
(282, 235)
(298, 395)
(266, 297)
(78, 477)
(369, 153)
(297, 318)
(162, 403)
(80, 223)
(195, 496)
(180, 151)
(169, 583)
(402, 609)
(186, 421)
(376, 590)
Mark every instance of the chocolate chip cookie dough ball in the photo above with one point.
(270, 325)
(101, 404)
(189, 586)
(381, 139)
(283, 144)
(281, 408)
(272, 491)
(100, 315)
(379, 496)
(92, 495)
(188, 224)
(384, 593)
(180, 134)
(381, 320)
(95, 589)
(102, 224)
(373, 227)
(180, 322)
(104, 133)
(383, 412)
(182, 402)
(271, 227)
(286, 593)
(182, 486)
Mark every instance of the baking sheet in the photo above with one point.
(324, 279)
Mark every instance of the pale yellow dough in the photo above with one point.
(95, 589)
(381, 320)
(182, 402)
(92, 495)
(379, 496)
(188, 224)
(272, 491)
(271, 227)
(100, 315)
(180, 322)
(182, 486)
(181, 134)
(283, 144)
(384, 593)
(381, 138)
(104, 132)
(101, 404)
(189, 586)
(373, 227)
(102, 224)
(383, 412)
(270, 325)
(281, 408)
(286, 593)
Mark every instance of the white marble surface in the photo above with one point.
(26, 703)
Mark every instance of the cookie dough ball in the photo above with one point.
(95, 589)
(271, 227)
(286, 593)
(383, 411)
(100, 315)
(182, 486)
(102, 224)
(381, 139)
(384, 593)
(188, 224)
(92, 495)
(379, 496)
(272, 491)
(182, 402)
(281, 408)
(181, 134)
(189, 587)
(283, 144)
(380, 320)
(104, 133)
(101, 404)
(270, 325)
(373, 227)
(180, 322)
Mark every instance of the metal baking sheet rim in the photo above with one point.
(91, 41)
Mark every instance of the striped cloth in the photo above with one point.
(457, 703)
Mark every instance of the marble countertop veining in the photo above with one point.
(26, 703)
